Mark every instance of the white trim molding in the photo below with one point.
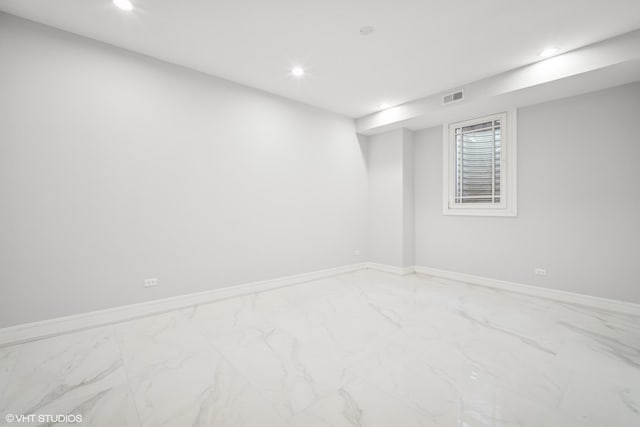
(61, 325)
(48, 328)
(508, 166)
(536, 291)
(401, 271)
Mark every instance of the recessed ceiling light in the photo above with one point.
(297, 71)
(549, 52)
(366, 30)
(123, 4)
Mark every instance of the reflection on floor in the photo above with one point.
(360, 349)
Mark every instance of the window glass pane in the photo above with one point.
(477, 126)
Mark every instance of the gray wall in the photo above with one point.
(578, 201)
(115, 167)
(408, 195)
(385, 162)
(390, 165)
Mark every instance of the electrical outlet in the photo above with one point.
(357, 252)
(540, 271)
(148, 283)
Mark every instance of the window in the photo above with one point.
(479, 166)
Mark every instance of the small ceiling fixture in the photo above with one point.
(366, 30)
(297, 71)
(123, 4)
(550, 51)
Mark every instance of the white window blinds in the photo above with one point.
(478, 149)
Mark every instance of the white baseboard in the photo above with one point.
(61, 325)
(553, 294)
(402, 271)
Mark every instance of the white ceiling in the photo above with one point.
(418, 48)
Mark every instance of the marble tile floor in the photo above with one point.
(360, 349)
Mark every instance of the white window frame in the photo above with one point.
(508, 168)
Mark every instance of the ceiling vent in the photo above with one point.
(453, 97)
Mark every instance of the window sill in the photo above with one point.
(480, 212)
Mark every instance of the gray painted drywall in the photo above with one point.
(578, 201)
(390, 165)
(115, 167)
(385, 198)
(408, 209)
